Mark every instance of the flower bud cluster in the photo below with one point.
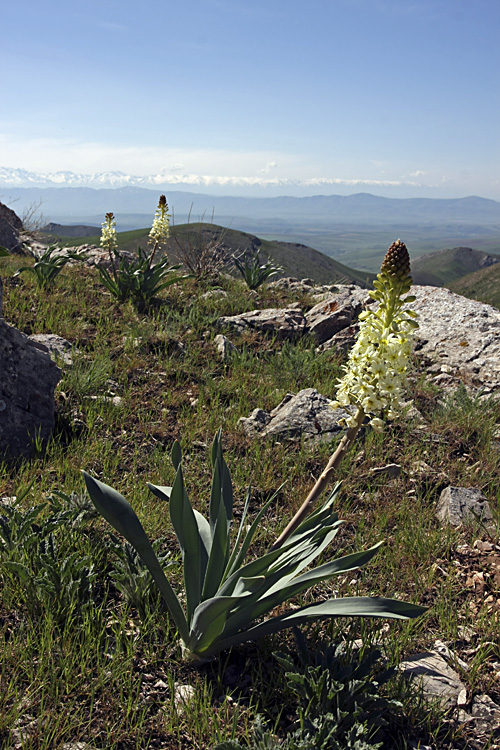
(375, 374)
(161, 223)
(108, 233)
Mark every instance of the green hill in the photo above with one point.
(296, 259)
(446, 266)
(482, 285)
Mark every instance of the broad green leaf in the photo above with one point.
(162, 492)
(176, 455)
(208, 622)
(362, 606)
(203, 526)
(119, 513)
(19, 569)
(188, 536)
(284, 590)
(237, 557)
(219, 554)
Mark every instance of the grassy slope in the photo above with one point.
(97, 675)
(483, 285)
(296, 260)
(445, 266)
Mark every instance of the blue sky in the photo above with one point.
(398, 97)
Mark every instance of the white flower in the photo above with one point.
(108, 233)
(161, 223)
(377, 424)
(375, 374)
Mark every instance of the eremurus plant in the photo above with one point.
(225, 598)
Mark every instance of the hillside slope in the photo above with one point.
(445, 266)
(296, 259)
(482, 285)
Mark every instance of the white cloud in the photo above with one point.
(270, 165)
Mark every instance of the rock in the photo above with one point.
(459, 333)
(391, 471)
(255, 423)
(225, 348)
(214, 294)
(330, 316)
(458, 505)
(10, 229)
(183, 694)
(29, 377)
(341, 341)
(59, 349)
(486, 714)
(308, 414)
(284, 324)
(438, 681)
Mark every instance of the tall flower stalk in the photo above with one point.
(160, 231)
(375, 373)
(109, 241)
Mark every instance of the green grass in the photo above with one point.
(482, 285)
(106, 675)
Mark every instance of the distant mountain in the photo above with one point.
(295, 259)
(482, 285)
(58, 231)
(445, 266)
(76, 203)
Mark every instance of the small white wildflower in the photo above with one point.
(160, 230)
(377, 424)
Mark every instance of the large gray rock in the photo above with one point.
(459, 505)
(337, 312)
(10, 228)
(284, 324)
(458, 336)
(307, 414)
(27, 384)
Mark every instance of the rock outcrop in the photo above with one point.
(10, 228)
(306, 414)
(458, 336)
(27, 384)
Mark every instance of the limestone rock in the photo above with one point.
(486, 714)
(459, 333)
(26, 392)
(225, 347)
(308, 414)
(59, 349)
(288, 323)
(338, 312)
(458, 505)
(10, 228)
(439, 682)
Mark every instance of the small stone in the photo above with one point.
(225, 347)
(459, 505)
(439, 682)
(183, 694)
(160, 685)
(390, 471)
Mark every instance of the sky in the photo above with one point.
(394, 97)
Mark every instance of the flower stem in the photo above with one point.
(323, 480)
